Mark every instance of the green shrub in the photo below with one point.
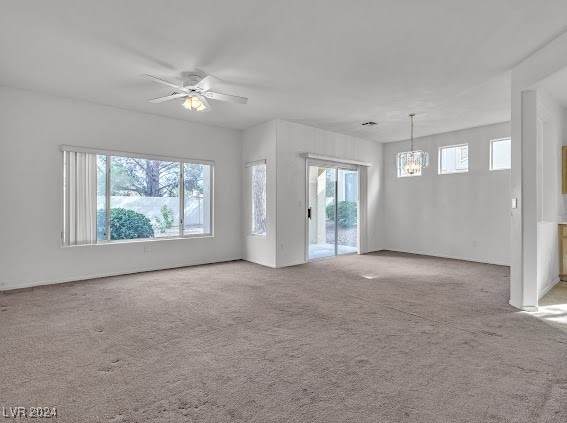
(166, 220)
(124, 224)
(330, 211)
(346, 213)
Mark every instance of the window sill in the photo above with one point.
(140, 240)
(454, 172)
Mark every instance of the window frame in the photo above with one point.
(127, 154)
(492, 141)
(440, 162)
(248, 166)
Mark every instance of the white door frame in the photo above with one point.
(336, 165)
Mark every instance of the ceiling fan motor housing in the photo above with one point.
(192, 80)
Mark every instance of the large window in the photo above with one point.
(257, 185)
(454, 159)
(500, 154)
(116, 196)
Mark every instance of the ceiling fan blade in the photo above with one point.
(168, 97)
(161, 81)
(225, 97)
(205, 83)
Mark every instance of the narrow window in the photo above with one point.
(257, 184)
(500, 154)
(454, 159)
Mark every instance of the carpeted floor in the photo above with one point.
(384, 337)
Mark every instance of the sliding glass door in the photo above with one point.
(332, 211)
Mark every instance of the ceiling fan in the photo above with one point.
(195, 90)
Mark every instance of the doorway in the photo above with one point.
(332, 210)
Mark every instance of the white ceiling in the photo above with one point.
(325, 63)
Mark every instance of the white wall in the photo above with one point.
(562, 201)
(33, 126)
(294, 140)
(524, 232)
(548, 185)
(259, 143)
(461, 215)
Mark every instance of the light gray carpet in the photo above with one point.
(385, 337)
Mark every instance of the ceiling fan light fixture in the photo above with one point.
(193, 102)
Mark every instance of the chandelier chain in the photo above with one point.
(411, 137)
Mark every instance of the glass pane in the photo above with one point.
(101, 198)
(347, 217)
(258, 206)
(501, 154)
(454, 159)
(144, 200)
(197, 186)
(322, 203)
(462, 162)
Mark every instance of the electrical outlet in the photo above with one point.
(475, 243)
(147, 248)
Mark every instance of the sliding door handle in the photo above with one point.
(309, 213)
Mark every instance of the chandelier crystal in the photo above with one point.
(411, 162)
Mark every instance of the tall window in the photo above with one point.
(454, 159)
(110, 197)
(500, 154)
(257, 184)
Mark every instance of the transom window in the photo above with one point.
(112, 196)
(454, 159)
(500, 154)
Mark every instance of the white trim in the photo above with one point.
(445, 256)
(259, 262)
(439, 162)
(134, 240)
(111, 274)
(293, 263)
(255, 163)
(524, 307)
(490, 168)
(306, 211)
(336, 159)
(135, 155)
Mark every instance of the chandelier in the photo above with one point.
(411, 162)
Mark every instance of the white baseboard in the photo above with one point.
(523, 307)
(107, 275)
(260, 262)
(291, 264)
(548, 288)
(420, 253)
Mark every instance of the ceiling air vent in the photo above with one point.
(370, 123)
